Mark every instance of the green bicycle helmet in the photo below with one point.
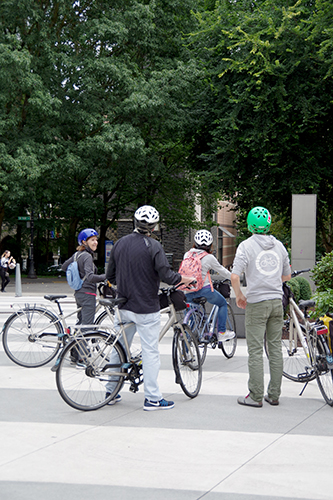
(259, 220)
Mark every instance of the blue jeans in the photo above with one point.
(213, 297)
(148, 327)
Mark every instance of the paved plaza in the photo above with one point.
(207, 448)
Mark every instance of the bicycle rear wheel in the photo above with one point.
(296, 364)
(228, 347)
(324, 374)
(84, 388)
(195, 319)
(32, 337)
(186, 361)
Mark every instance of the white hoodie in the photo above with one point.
(264, 260)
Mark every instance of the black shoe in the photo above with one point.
(114, 400)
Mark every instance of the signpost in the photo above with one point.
(24, 217)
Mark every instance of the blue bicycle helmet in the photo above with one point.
(85, 234)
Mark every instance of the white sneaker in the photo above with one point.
(228, 335)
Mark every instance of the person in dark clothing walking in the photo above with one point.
(7, 262)
(137, 265)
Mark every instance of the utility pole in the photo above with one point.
(32, 273)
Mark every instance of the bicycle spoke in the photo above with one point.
(32, 337)
(186, 361)
(101, 366)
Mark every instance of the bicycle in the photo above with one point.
(203, 324)
(306, 354)
(34, 335)
(109, 360)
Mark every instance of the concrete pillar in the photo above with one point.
(303, 232)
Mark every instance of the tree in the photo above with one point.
(268, 124)
(98, 119)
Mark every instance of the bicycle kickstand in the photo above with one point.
(301, 393)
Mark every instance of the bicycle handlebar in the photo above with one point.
(296, 273)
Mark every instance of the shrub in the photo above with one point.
(295, 288)
(324, 302)
(305, 288)
(322, 273)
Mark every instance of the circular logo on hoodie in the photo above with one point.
(268, 262)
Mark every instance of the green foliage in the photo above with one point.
(295, 288)
(304, 288)
(267, 125)
(322, 273)
(96, 112)
(324, 302)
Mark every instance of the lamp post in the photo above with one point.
(32, 274)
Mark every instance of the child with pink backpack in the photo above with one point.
(198, 262)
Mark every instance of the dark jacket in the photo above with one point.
(86, 268)
(137, 265)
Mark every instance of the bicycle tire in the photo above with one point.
(84, 389)
(186, 361)
(195, 319)
(324, 374)
(19, 341)
(296, 366)
(228, 347)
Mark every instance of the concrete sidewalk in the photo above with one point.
(209, 447)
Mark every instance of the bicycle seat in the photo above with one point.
(305, 304)
(112, 302)
(200, 300)
(52, 298)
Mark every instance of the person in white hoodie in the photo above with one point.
(266, 264)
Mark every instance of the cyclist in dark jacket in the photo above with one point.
(137, 265)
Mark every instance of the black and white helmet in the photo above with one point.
(203, 238)
(146, 218)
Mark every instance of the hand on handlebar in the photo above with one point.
(188, 281)
(192, 284)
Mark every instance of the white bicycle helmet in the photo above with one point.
(146, 218)
(203, 238)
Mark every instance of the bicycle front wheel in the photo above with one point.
(103, 362)
(195, 319)
(324, 374)
(228, 347)
(32, 337)
(186, 361)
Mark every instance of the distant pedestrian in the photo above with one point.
(7, 262)
(265, 262)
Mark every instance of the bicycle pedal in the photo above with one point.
(133, 388)
(303, 376)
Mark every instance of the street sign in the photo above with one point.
(24, 217)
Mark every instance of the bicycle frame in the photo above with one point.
(119, 334)
(208, 325)
(59, 318)
(295, 329)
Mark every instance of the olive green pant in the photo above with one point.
(260, 317)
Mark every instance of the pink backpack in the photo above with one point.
(191, 266)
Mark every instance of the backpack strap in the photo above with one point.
(77, 255)
(203, 254)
